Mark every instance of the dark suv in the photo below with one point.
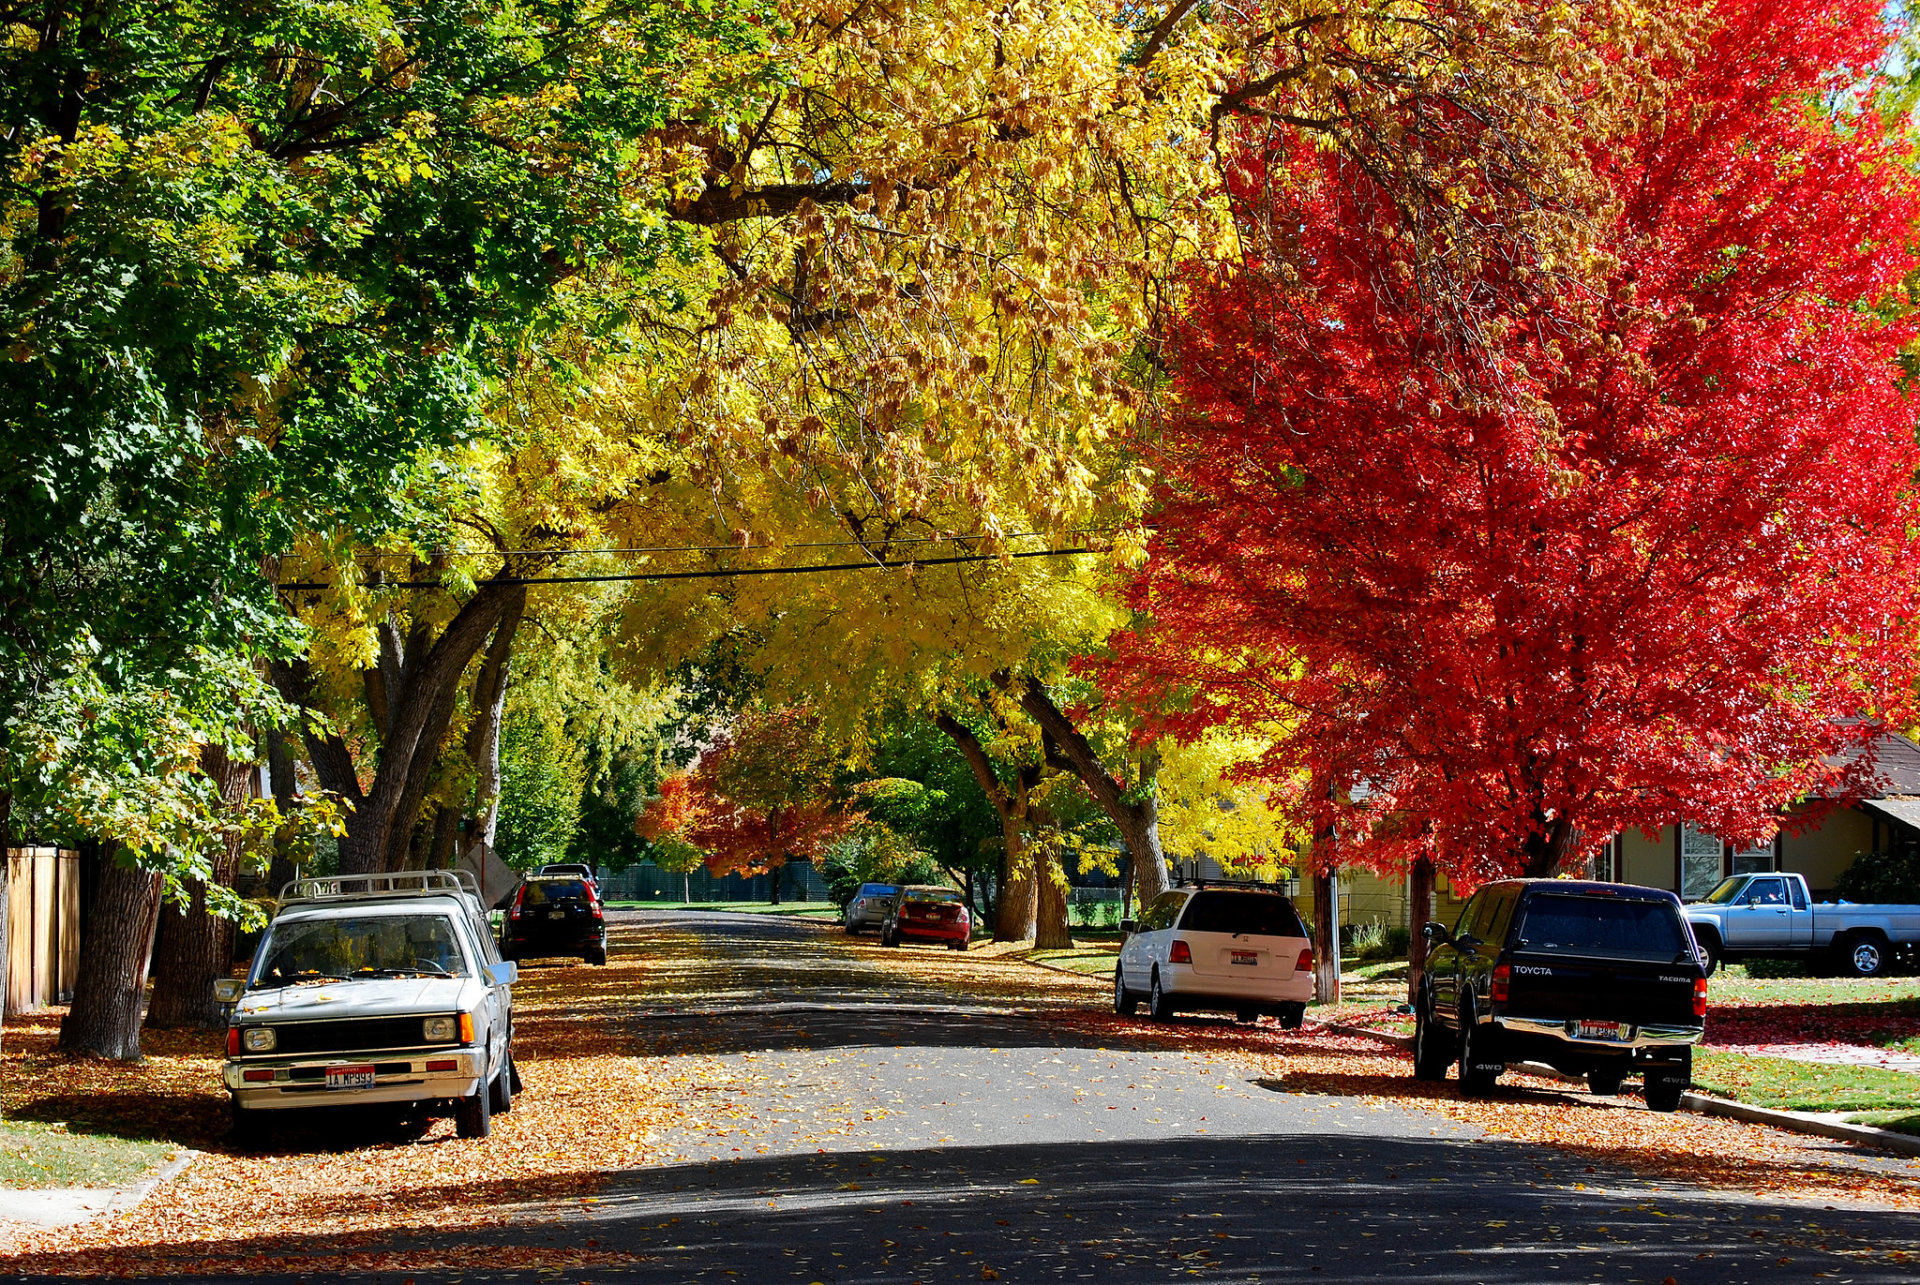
(554, 915)
(1594, 979)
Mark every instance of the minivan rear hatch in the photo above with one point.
(1242, 934)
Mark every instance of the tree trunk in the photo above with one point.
(1135, 812)
(1546, 848)
(446, 831)
(1015, 903)
(197, 947)
(1126, 892)
(1419, 911)
(114, 953)
(1051, 931)
(280, 776)
(773, 883)
(483, 734)
(1326, 937)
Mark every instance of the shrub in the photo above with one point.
(1881, 876)
(1374, 941)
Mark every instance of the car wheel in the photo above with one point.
(1431, 1057)
(515, 1085)
(1125, 1002)
(1864, 956)
(1605, 1080)
(1292, 1016)
(1709, 956)
(958, 945)
(1159, 1003)
(1667, 1082)
(889, 939)
(1475, 1082)
(500, 1100)
(1245, 1016)
(474, 1116)
(597, 956)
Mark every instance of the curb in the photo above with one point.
(132, 1196)
(49, 1208)
(1701, 1104)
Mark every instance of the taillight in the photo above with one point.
(233, 1040)
(1304, 964)
(1179, 952)
(1699, 997)
(1502, 976)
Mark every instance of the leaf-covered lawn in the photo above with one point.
(50, 1155)
(1788, 1084)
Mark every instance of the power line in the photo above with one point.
(299, 585)
(723, 548)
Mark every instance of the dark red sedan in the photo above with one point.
(937, 915)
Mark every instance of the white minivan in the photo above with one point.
(1240, 949)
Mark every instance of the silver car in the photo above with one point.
(374, 989)
(870, 906)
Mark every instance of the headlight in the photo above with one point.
(259, 1039)
(441, 1030)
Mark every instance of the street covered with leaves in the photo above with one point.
(715, 1053)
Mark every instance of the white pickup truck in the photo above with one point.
(1772, 916)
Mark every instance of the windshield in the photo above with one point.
(551, 892)
(1612, 927)
(1728, 890)
(878, 889)
(1247, 913)
(319, 949)
(932, 894)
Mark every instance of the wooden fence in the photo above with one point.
(43, 927)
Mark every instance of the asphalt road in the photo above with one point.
(856, 1125)
(869, 1130)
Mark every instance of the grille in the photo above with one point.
(351, 1034)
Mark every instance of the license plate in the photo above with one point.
(556, 914)
(349, 1077)
(1598, 1031)
(1249, 958)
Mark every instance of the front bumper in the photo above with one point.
(1639, 1037)
(399, 1076)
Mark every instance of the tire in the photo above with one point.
(1125, 1002)
(500, 1091)
(1292, 1016)
(1431, 1057)
(1605, 1081)
(891, 940)
(958, 945)
(1159, 1003)
(597, 957)
(1667, 1081)
(1474, 1083)
(1710, 955)
(1865, 955)
(1246, 1016)
(474, 1117)
(515, 1085)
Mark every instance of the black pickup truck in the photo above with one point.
(1594, 979)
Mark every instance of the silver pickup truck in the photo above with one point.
(374, 990)
(1772, 916)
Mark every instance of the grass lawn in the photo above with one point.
(1732, 986)
(1091, 956)
(826, 909)
(47, 1155)
(1792, 1085)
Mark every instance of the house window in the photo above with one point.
(1753, 860)
(1700, 870)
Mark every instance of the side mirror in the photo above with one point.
(1435, 932)
(1127, 927)
(503, 974)
(228, 990)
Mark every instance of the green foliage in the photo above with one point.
(610, 801)
(1095, 914)
(1375, 941)
(874, 854)
(1882, 877)
(933, 795)
(539, 793)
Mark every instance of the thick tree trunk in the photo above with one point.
(1015, 903)
(1135, 812)
(446, 833)
(1051, 930)
(483, 734)
(114, 953)
(280, 776)
(1419, 911)
(1326, 937)
(412, 696)
(197, 947)
(1546, 849)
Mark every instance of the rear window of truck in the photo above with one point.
(1612, 927)
(1251, 914)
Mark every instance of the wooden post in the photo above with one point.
(1326, 931)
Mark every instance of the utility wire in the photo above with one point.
(722, 548)
(300, 585)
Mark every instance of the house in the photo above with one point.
(1691, 861)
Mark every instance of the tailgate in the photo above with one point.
(1244, 955)
(1613, 990)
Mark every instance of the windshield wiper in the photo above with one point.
(402, 972)
(299, 979)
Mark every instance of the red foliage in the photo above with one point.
(1642, 559)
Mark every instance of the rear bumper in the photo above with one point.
(910, 931)
(1181, 981)
(1560, 1032)
(300, 1083)
(558, 940)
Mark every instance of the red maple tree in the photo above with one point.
(761, 795)
(1639, 556)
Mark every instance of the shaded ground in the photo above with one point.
(752, 1096)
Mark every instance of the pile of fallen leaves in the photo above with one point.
(339, 1187)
